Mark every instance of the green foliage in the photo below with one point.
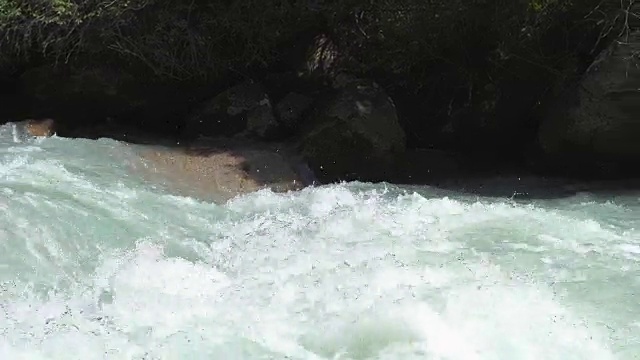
(489, 59)
(187, 38)
(480, 65)
(175, 39)
(539, 6)
(56, 29)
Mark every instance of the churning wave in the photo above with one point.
(100, 263)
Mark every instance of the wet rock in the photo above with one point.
(30, 128)
(40, 128)
(36, 128)
(219, 169)
(244, 107)
(354, 135)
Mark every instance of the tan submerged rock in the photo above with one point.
(39, 128)
(219, 171)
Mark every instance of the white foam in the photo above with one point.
(114, 269)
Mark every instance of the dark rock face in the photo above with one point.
(598, 131)
(291, 109)
(354, 135)
(243, 107)
(86, 95)
(83, 98)
(346, 131)
(425, 166)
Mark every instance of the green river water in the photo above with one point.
(98, 262)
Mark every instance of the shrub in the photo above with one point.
(189, 38)
(58, 29)
(484, 63)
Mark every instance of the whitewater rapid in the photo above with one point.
(98, 262)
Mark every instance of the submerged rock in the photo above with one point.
(597, 131)
(34, 128)
(219, 169)
(354, 135)
(40, 128)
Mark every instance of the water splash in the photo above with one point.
(104, 263)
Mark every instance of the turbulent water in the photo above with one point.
(98, 262)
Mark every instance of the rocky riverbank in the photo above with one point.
(348, 119)
(218, 169)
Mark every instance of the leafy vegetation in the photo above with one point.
(185, 38)
(476, 63)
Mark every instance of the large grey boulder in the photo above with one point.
(244, 107)
(292, 108)
(354, 134)
(597, 128)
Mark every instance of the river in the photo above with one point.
(99, 262)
